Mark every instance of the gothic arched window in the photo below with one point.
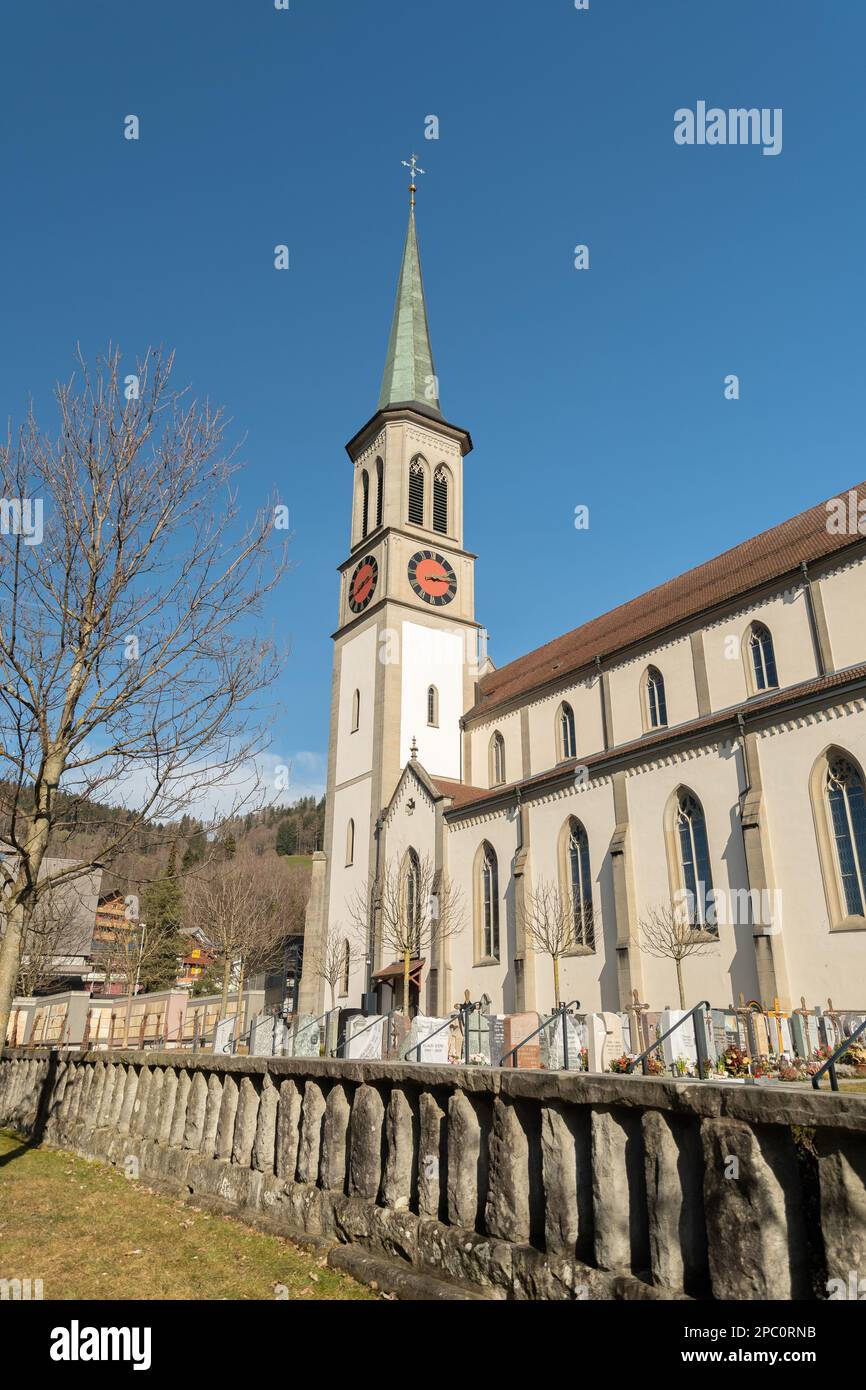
(416, 493)
(365, 502)
(847, 803)
(412, 886)
(356, 712)
(566, 735)
(347, 965)
(440, 500)
(763, 658)
(497, 760)
(433, 706)
(694, 854)
(350, 842)
(380, 491)
(487, 903)
(580, 884)
(654, 694)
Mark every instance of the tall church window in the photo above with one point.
(347, 965)
(433, 706)
(566, 734)
(694, 856)
(487, 890)
(365, 502)
(350, 842)
(416, 493)
(497, 760)
(656, 703)
(580, 884)
(413, 900)
(440, 500)
(763, 658)
(847, 802)
(380, 491)
(356, 712)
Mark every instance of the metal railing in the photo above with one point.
(700, 1045)
(463, 1012)
(561, 1013)
(830, 1064)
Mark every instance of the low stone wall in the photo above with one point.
(520, 1185)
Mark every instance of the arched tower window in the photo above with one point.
(347, 965)
(433, 706)
(497, 760)
(762, 658)
(350, 842)
(380, 491)
(440, 500)
(356, 712)
(565, 732)
(656, 706)
(416, 493)
(694, 856)
(365, 502)
(579, 883)
(487, 903)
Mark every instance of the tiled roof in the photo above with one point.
(463, 796)
(771, 555)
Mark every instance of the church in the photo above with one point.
(703, 744)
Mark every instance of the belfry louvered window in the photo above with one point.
(416, 493)
(440, 501)
(365, 502)
(380, 490)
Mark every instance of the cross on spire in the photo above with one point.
(414, 168)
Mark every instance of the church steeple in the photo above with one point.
(410, 377)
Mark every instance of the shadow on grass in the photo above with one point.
(33, 1140)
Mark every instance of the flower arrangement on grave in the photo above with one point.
(621, 1064)
(655, 1065)
(682, 1066)
(584, 1059)
(477, 1059)
(734, 1061)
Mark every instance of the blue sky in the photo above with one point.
(602, 387)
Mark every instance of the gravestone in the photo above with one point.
(434, 1050)
(364, 1037)
(307, 1038)
(223, 1034)
(680, 1044)
(704, 1030)
(552, 1051)
(850, 1023)
(604, 1040)
(651, 1027)
(787, 1037)
(625, 1024)
(268, 1035)
(759, 1035)
(725, 1031)
(517, 1027)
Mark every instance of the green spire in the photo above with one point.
(409, 371)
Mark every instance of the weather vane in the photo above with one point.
(414, 168)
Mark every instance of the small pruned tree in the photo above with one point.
(673, 933)
(414, 908)
(549, 925)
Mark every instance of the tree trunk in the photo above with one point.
(556, 979)
(224, 1005)
(681, 985)
(10, 959)
(406, 958)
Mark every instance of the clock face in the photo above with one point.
(432, 577)
(362, 585)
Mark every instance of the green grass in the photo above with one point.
(88, 1232)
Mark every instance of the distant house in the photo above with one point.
(57, 950)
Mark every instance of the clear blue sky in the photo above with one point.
(602, 388)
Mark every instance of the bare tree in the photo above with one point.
(333, 960)
(128, 673)
(416, 908)
(549, 925)
(670, 933)
(237, 907)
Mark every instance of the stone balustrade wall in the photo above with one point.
(514, 1184)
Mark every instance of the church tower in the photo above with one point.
(405, 648)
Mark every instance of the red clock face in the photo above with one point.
(432, 577)
(362, 585)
